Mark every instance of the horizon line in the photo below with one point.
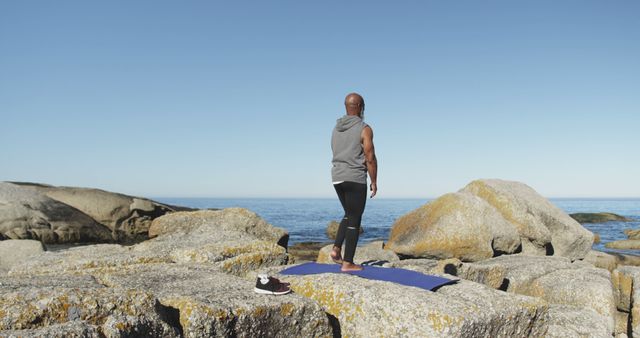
(414, 197)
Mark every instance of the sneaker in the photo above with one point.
(270, 286)
(276, 280)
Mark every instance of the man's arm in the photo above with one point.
(370, 158)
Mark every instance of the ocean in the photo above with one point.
(307, 219)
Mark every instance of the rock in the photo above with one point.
(127, 217)
(34, 303)
(72, 329)
(306, 251)
(188, 274)
(566, 321)
(366, 308)
(234, 257)
(487, 274)
(455, 225)
(15, 251)
(598, 217)
(625, 244)
(601, 260)
(332, 229)
(371, 251)
(585, 288)
(632, 233)
(67, 214)
(28, 214)
(537, 220)
(622, 320)
(633, 275)
(207, 302)
(230, 244)
(230, 219)
(625, 259)
(622, 286)
(558, 281)
(492, 275)
(596, 238)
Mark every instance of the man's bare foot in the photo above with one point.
(346, 266)
(336, 256)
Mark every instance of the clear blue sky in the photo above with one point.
(238, 99)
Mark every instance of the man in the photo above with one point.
(353, 158)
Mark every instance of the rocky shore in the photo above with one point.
(524, 269)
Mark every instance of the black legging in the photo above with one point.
(353, 197)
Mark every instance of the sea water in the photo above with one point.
(306, 219)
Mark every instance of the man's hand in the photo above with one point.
(374, 189)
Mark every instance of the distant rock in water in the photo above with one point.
(632, 233)
(625, 244)
(598, 217)
(332, 229)
(74, 215)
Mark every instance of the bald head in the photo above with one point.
(354, 103)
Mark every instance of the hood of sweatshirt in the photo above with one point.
(346, 122)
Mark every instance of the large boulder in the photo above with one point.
(28, 214)
(237, 242)
(213, 304)
(230, 219)
(32, 304)
(366, 308)
(492, 275)
(67, 214)
(489, 218)
(189, 275)
(560, 281)
(127, 217)
(543, 227)
(15, 251)
(457, 225)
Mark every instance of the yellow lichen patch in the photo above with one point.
(333, 302)
(286, 309)
(422, 218)
(441, 321)
(250, 247)
(188, 308)
(221, 315)
(249, 261)
(503, 205)
(438, 241)
(259, 311)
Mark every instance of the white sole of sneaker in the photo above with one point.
(267, 292)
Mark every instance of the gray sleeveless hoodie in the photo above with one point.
(348, 155)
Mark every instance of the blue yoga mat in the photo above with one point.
(395, 275)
